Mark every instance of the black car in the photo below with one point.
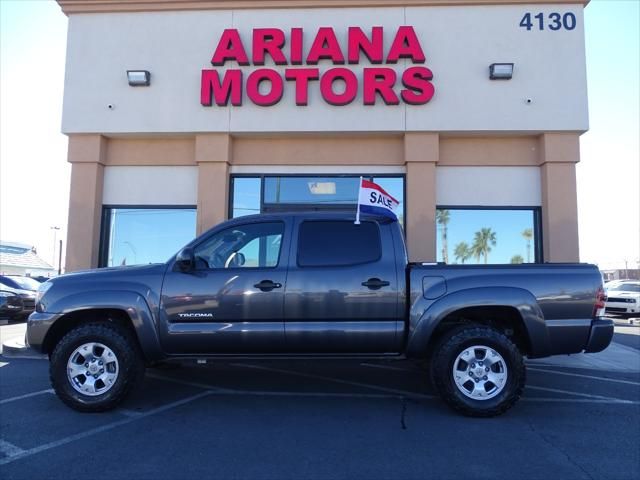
(25, 287)
(11, 304)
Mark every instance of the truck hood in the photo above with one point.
(72, 289)
(125, 271)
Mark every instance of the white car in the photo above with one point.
(624, 299)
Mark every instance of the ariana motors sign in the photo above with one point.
(339, 85)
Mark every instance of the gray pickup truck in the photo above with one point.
(315, 285)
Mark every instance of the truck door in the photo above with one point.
(232, 302)
(342, 289)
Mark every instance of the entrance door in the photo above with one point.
(233, 301)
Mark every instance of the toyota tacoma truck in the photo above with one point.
(306, 285)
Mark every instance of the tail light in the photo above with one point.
(601, 299)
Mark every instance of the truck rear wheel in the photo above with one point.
(95, 366)
(478, 371)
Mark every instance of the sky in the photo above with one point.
(34, 173)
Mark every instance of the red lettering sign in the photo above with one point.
(338, 86)
(211, 87)
(302, 76)
(230, 48)
(351, 86)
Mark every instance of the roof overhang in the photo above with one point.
(109, 6)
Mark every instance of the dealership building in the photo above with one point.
(183, 113)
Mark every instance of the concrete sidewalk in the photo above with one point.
(616, 358)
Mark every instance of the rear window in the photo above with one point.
(627, 287)
(337, 243)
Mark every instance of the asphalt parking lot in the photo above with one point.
(324, 419)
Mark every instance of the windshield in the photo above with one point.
(24, 283)
(627, 287)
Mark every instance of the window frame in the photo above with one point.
(340, 265)
(301, 207)
(538, 251)
(195, 246)
(105, 221)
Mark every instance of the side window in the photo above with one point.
(255, 245)
(338, 243)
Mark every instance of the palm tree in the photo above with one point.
(517, 259)
(463, 252)
(442, 218)
(482, 242)
(527, 233)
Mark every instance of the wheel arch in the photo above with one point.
(512, 311)
(126, 309)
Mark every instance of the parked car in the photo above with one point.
(623, 299)
(315, 284)
(40, 278)
(20, 282)
(25, 287)
(11, 305)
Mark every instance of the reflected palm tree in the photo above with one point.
(517, 259)
(442, 218)
(462, 252)
(484, 239)
(527, 233)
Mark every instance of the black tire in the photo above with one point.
(130, 366)
(453, 344)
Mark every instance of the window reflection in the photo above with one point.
(246, 196)
(255, 245)
(283, 192)
(486, 236)
(147, 235)
(311, 190)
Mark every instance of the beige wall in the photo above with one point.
(559, 154)
(419, 153)
(86, 154)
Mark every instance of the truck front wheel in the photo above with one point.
(478, 371)
(95, 366)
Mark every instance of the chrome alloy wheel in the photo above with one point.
(480, 372)
(92, 369)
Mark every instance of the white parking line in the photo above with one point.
(578, 400)
(578, 394)
(103, 428)
(593, 398)
(129, 413)
(403, 393)
(388, 367)
(9, 449)
(187, 383)
(579, 375)
(26, 395)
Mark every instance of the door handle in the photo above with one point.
(375, 284)
(267, 285)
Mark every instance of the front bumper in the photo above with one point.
(600, 335)
(38, 325)
(622, 308)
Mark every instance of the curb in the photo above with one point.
(15, 348)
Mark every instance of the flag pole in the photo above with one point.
(357, 222)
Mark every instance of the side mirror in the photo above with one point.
(185, 260)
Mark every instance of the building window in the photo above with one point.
(278, 193)
(142, 235)
(246, 196)
(470, 235)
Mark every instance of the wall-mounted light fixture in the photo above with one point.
(139, 78)
(501, 71)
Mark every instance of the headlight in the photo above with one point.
(42, 289)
